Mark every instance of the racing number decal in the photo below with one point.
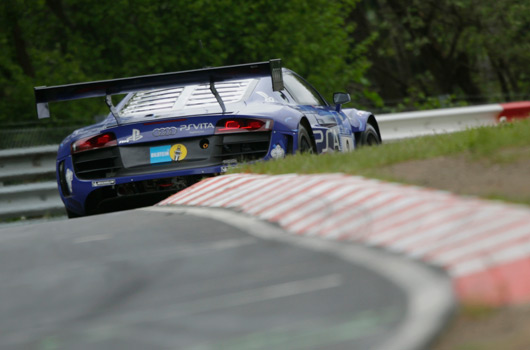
(347, 143)
(332, 141)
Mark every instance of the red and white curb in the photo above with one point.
(483, 245)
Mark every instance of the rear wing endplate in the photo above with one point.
(44, 95)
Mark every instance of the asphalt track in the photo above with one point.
(163, 279)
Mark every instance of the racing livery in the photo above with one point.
(173, 129)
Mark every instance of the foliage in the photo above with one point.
(389, 54)
(53, 42)
(473, 50)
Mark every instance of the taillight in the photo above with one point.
(94, 142)
(242, 125)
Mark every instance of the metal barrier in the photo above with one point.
(27, 180)
(413, 124)
(399, 126)
(27, 175)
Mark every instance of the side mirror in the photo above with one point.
(340, 98)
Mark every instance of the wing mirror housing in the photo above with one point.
(340, 98)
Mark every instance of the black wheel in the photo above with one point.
(369, 137)
(71, 214)
(304, 141)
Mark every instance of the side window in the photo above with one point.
(302, 92)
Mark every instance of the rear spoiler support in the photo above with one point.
(113, 110)
(107, 88)
(217, 96)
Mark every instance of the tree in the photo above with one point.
(52, 42)
(469, 49)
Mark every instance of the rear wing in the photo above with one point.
(44, 95)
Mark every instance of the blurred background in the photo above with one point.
(390, 55)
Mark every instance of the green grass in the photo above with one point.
(490, 143)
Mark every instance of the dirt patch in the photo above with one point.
(508, 177)
(507, 329)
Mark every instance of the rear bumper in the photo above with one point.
(89, 191)
(87, 196)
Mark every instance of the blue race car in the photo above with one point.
(173, 129)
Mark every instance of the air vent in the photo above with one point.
(166, 100)
(231, 91)
(97, 164)
(245, 147)
(150, 102)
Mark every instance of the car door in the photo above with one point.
(331, 129)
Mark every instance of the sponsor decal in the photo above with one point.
(200, 126)
(277, 152)
(103, 183)
(165, 131)
(163, 154)
(192, 128)
(178, 152)
(136, 135)
(69, 179)
(160, 154)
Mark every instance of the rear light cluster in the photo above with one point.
(94, 142)
(237, 125)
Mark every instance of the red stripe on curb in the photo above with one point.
(288, 195)
(412, 225)
(185, 194)
(257, 189)
(344, 219)
(500, 285)
(213, 191)
(473, 231)
(298, 206)
(269, 194)
(237, 185)
(484, 237)
(438, 222)
(305, 222)
(522, 237)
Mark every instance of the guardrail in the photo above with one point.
(27, 175)
(399, 126)
(27, 183)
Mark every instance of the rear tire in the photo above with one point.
(71, 214)
(305, 145)
(369, 137)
